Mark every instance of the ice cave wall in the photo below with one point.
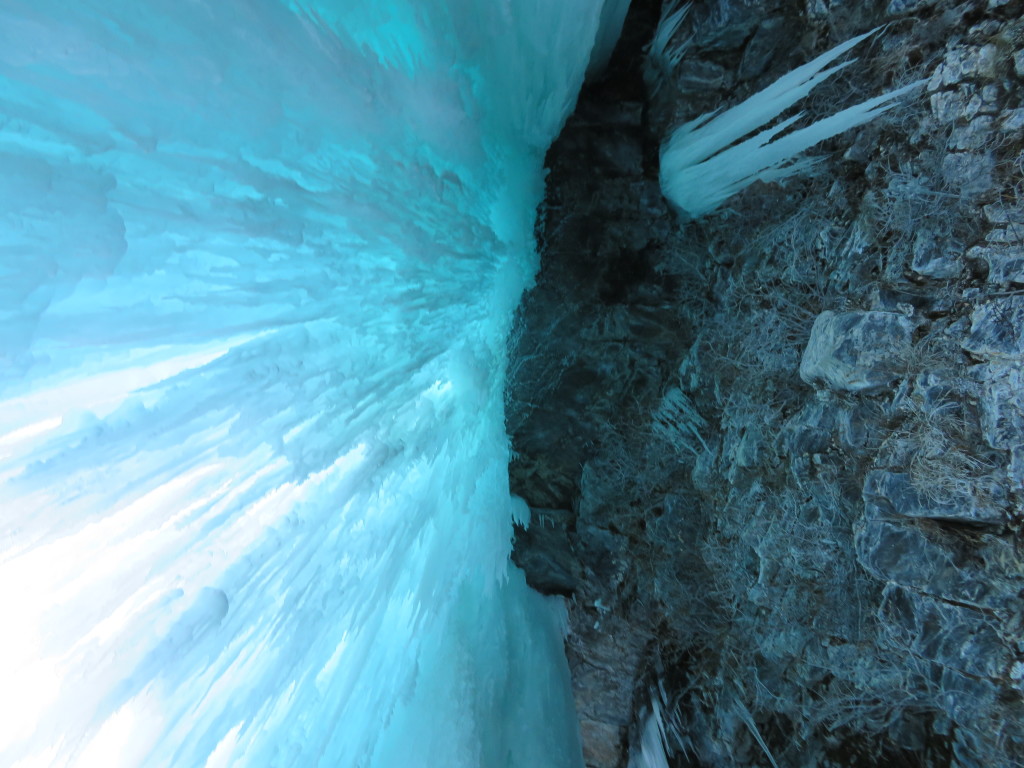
(257, 265)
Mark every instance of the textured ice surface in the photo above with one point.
(257, 264)
(704, 163)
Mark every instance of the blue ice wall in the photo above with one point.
(258, 261)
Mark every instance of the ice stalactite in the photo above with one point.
(257, 264)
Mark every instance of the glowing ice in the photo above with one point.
(257, 264)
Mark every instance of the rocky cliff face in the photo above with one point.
(776, 455)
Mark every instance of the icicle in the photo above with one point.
(702, 166)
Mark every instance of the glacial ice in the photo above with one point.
(258, 261)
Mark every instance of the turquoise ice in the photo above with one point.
(258, 261)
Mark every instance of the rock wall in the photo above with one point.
(776, 455)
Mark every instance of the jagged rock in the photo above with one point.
(906, 555)
(761, 49)
(971, 173)
(1001, 214)
(894, 493)
(855, 351)
(729, 24)
(997, 330)
(969, 63)
(973, 136)
(965, 103)
(1013, 121)
(810, 431)
(1005, 264)
(900, 7)
(700, 75)
(1002, 405)
(954, 636)
(544, 553)
(1018, 63)
(935, 258)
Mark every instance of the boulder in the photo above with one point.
(956, 637)
(912, 557)
(856, 351)
(895, 494)
(997, 330)
(545, 554)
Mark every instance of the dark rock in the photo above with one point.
(956, 637)
(769, 38)
(997, 330)
(894, 494)
(811, 430)
(969, 173)
(700, 75)
(729, 23)
(544, 553)
(855, 351)
(967, 63)
(935, 258)
(618, 151)
(1002, 405)
(911, 556)
(1005, 263)
(901, 7)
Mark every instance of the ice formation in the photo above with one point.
(257, 264)
(704, 163)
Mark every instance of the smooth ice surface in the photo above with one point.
(257, 264)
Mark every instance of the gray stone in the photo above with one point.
(544, 553)
(1010, 235)
(855, 351)
(907, 555)
(968, 63)
(700, 75)
(1018, 62)
(933, 258)
(900, 7)
(1002, 405)
(762, 47)
(1013, 121)
(894, 494)
(975, 135)
(964, 103)
(969, 173)
(997, 330)
(728, 24)
(949, 106)
(1002, 214)
(954, 636)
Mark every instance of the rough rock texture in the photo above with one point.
(788, 438)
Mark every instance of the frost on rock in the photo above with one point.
(257, 265)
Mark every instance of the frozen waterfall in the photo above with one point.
(258, 260)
